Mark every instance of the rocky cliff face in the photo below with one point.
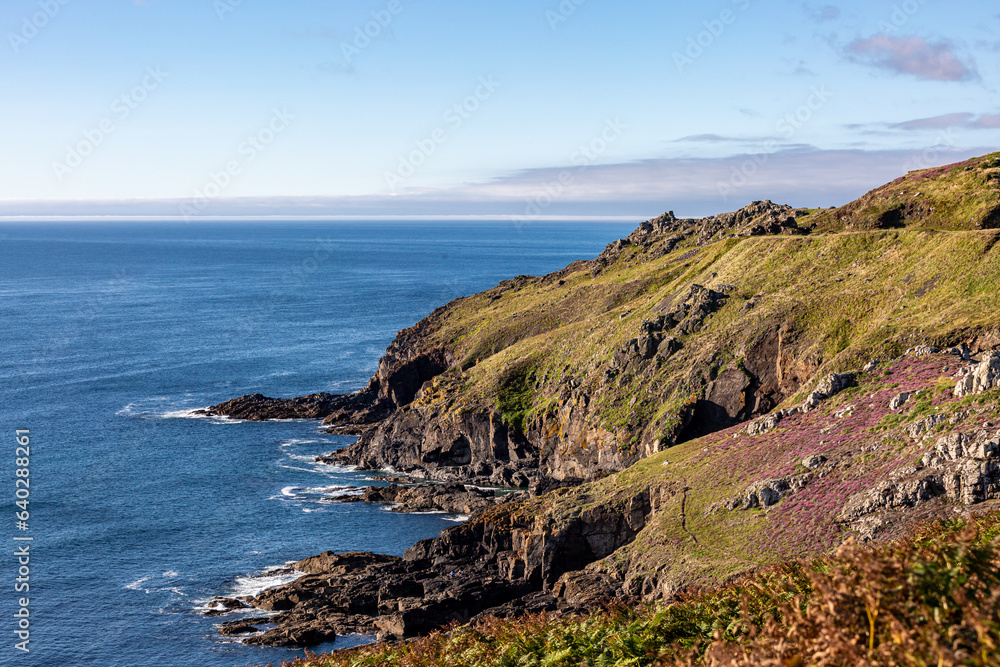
(509, 559)
(681, 329)
(709, 396)
(418, 414)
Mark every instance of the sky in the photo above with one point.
(524, 108)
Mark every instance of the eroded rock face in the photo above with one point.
(964, 467)
(474, 446)
(501, 562)
(981, 377)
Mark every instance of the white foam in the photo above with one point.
(136, 410)
(329, 467)
(271, 578)
(137, 584)
(459, 518)
(289, 491)
(297, 441)
(170, 574)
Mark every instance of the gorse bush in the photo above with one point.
(930, 599)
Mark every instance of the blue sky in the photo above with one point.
(529, 108)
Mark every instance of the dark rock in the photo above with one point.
(501, 562)
(236, 628)
(452, 498)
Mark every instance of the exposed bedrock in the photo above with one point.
(503, 562)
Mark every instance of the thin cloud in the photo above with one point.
(706, 138)
(964, 120)
(915, 56)
(823, 13)
(801, 176)
(718, 138)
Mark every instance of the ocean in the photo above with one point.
(140, 513)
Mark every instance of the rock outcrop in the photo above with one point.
(506, 561)
(450, 498)
(981, 377)
(964, 467)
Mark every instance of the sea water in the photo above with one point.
(140, 512)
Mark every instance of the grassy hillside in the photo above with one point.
(691, 349)
(960, 196)
(834, 300)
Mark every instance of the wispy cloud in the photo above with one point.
(821, 13)
(915, 56)
(964, 119)
(801, 176)
(721, 138)
(706, 138)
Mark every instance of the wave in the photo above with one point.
(300, 441)
(309, 492)
(143, 411)
(137, 584)
(254, 584)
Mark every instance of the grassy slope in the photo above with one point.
(960, 196)
(850, 295)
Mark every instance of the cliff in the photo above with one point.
(713, 395)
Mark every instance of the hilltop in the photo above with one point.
(707, 397)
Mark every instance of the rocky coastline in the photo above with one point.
(704, 362)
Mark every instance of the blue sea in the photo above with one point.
(141, 513)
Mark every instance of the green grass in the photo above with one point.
(843, 299)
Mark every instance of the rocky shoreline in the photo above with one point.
(451, 408)
(502, 562)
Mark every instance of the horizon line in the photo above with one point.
(323, 218)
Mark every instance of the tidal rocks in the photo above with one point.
(450, 497)
(504, 561)
(257, 407)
